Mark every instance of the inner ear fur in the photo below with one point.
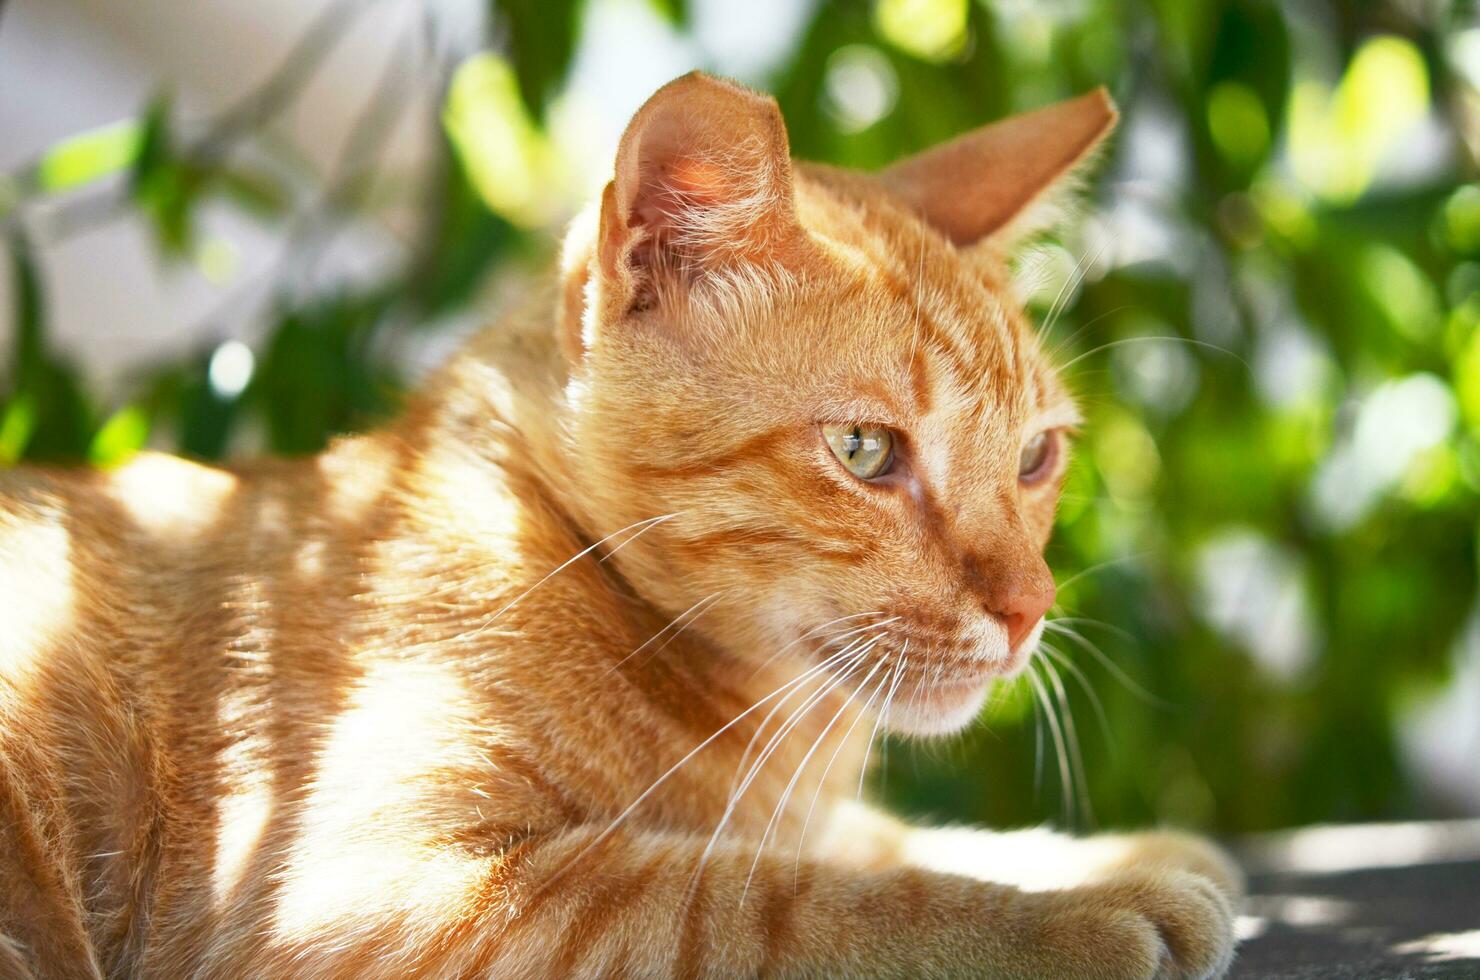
(988, 184)
(702, 181)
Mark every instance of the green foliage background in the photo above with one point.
(1288, 116)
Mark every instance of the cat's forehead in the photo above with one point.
(956, 344)
(962, 296)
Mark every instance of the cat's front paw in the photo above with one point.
(1152, 923)
(1174, 850)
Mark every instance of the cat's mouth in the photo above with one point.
(961, 657)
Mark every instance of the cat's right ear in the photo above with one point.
(702, 184)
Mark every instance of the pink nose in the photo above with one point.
(1020, 612)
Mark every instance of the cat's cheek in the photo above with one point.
(1039, 514)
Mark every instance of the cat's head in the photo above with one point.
(824, 377)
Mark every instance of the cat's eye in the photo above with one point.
(1036, 457)
(866, 451)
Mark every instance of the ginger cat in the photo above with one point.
(574, 669)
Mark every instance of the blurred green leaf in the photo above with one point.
(676, 12)
(123, 434)
(1338, 138)
(542, 40)
(1462, 220)
(935, 30)
(84, 158)
(164, 186)
(316, 378)
(53, 419)
(17, 423)
(1238, 123)
(254, 191)
(468, 240)
(507, 158)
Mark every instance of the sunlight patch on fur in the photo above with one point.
(357, 886)
(490, 512)
(36, 581)
(169, 496)
(1033, 860)
(357, 473)
(404, 723)
(241, 820)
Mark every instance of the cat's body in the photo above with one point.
(478, 695)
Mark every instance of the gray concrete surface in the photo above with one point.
(1378, 901)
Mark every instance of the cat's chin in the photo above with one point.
(946, 707)
(941, 709)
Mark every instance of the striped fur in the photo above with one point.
(572, 671)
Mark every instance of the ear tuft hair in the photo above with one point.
(702, 184)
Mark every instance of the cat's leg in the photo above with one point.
(629, 903)
(635, 896)
(1035, 859)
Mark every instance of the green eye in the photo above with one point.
(1037, 453)
(866, 450)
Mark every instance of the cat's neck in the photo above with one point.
(492, 432)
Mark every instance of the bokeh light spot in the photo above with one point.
(931, 29)
(1397, 422)
(1338, 140)
(860, 87)
(230, 369)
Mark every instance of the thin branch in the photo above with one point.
(313, 230)
(298, 67)
(221, 133)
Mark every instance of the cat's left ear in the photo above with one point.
(702, 183)
(998, 184)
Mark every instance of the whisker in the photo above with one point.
(883, 713)
(832, 638)
(802, 838)
(646, 526)
(1076, 277)
(745, 756)
(857, 651)
(1037, 749)
(1099, 566)
(1122, 633)
(650, 640)
(1065, 785)
(1076, 756)
(653, 787)
(1067, 342)
(835, 677)
(780, 806)
(1110, 665)
(1135, 340)
(1068, 664)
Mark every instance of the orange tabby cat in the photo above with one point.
(573, 670)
